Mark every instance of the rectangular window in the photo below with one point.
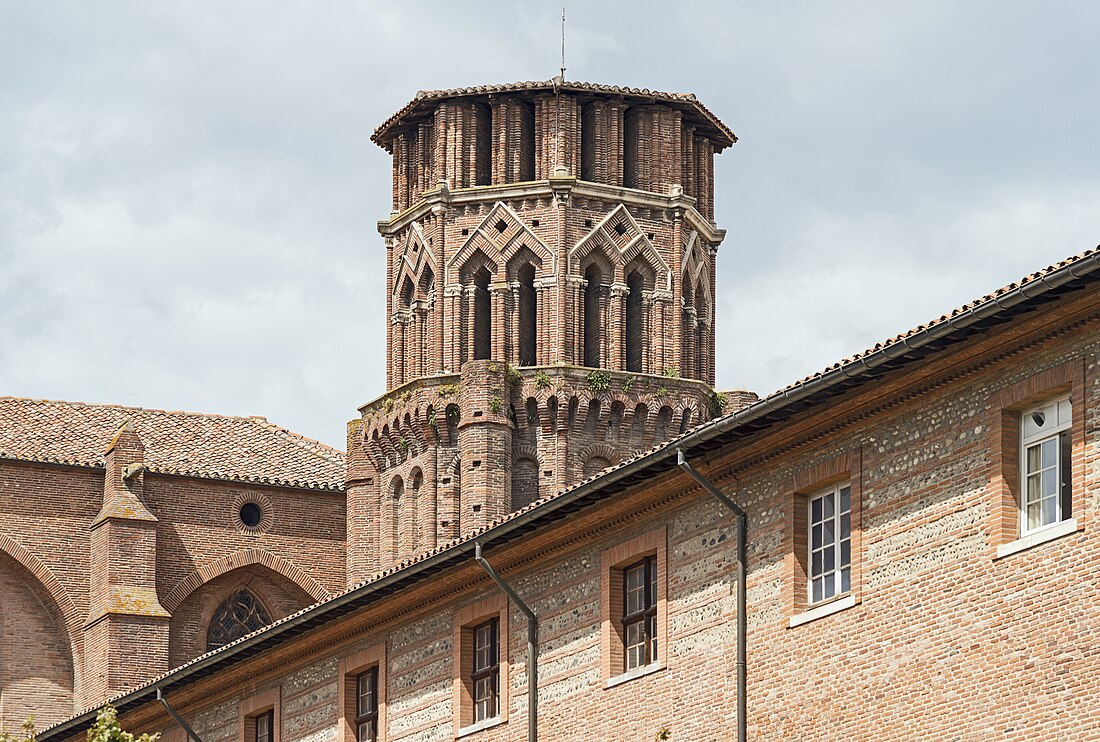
(265, 723)
(366, 706)
(1045, 465)
(486, 670)
(640, 612)
(830, 543)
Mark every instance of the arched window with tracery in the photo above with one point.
(239, 614)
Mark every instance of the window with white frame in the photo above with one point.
(830, 542)
(1045, 465)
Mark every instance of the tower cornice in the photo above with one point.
(440, 198)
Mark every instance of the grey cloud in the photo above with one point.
(188, 194)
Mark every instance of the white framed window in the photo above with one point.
(1045, 465)
(830, 543)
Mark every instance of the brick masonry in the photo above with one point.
(505, 281)
(945, 640)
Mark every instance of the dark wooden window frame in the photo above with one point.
(645, 616)
(264, 726)
(488, 706)
(366, 714)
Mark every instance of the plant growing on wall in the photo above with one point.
(718, 403)
(599, 381)
(542, 379)
(671, 372)
(512, 374)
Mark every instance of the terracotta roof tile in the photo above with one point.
(723, 132)
(247, 449)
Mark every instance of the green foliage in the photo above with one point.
(718, 403)
(599, 381)
(403, 443)
(512, 374)
(671, 372)
(662, 734)
(448, 391)
(433, 423)
(542, 379)
(496, 404)
(390, 404)
(493, 368)
(629, 383)
(662, 392)
(107, 729)
(26, 733)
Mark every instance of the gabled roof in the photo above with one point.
(425, 101)
(245, 449)
(976, 317)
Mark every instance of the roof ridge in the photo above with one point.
(133, 408)
(1026, 280)
(324, 450)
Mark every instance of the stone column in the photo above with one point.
(617, 294)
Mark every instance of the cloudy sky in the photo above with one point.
(188, 194)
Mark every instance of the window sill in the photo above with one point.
(479, 726)
(1051, 532)
(637, 672)
(826, 609)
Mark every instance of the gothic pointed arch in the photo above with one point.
(189, 630)
(619, 238)
(696, 266)
(243, 558)
(64, 606)
(238, 615)
(40, 655)
(500, 235)
(414, 265)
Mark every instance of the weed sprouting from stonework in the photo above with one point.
(599, 381)
(718, 404)
(512, 374)
(542, 379)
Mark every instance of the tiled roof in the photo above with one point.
(721, 133)
(246, 449)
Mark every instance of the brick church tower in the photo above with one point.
(550, 304)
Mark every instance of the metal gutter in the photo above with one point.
(532, 644)
(708, 435)
(742, 622)
(176, 717)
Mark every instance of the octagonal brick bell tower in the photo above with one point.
(550, 305)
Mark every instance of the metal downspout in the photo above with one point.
(532, 645)
(176, 717)
(742, 625)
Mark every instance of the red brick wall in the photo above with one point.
(36, 663)
(46, 514)
(945, 639)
